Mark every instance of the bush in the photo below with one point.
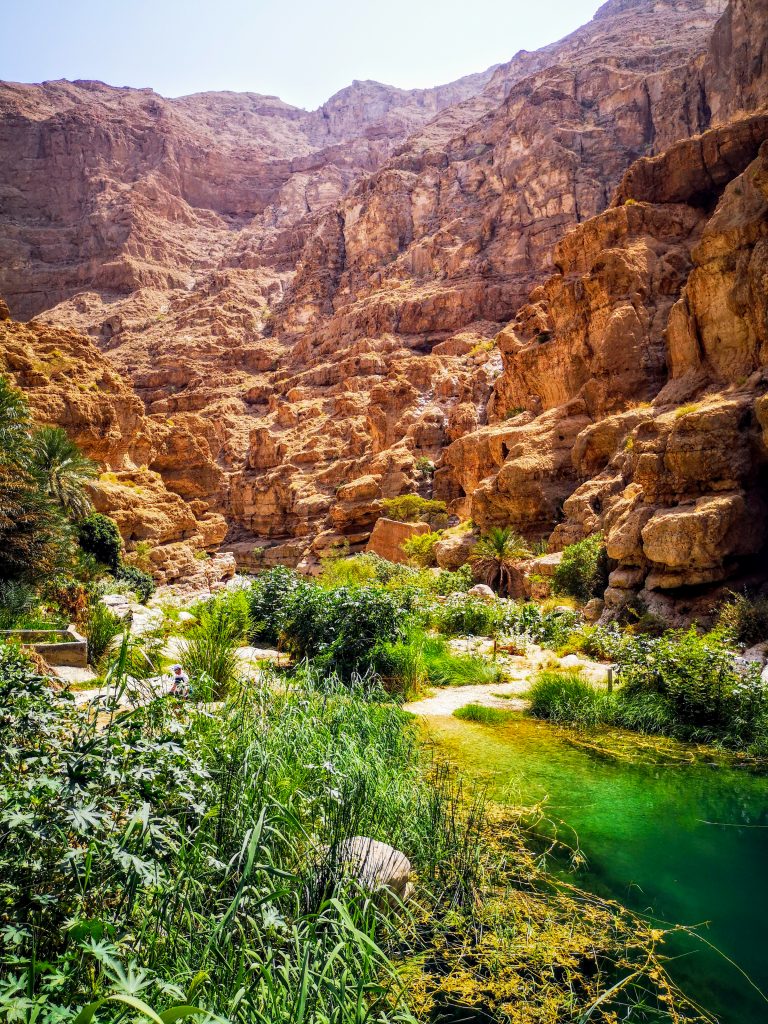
(567, 698)
(421, 548)
(268, 598)
(583, 571)
(101, 627)
(708, 694)
(99, 536)
(466, 615)
(356, 571)
(745, 620)
(209, 651)
(412, 508)
(141, 582)
(340, 629)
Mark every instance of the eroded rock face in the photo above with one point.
(69, 383)
(519, 278)
(312, 321)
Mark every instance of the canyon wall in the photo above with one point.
(545, 279)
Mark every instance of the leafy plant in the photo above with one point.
(62, 470)
(425, 467)
(745, 619)
(583, 570)
(268, 600)
(100, 537)
(495, 556)
(421, 548)
(412, 508)
(142, 583)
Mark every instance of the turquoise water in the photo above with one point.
(683, 843)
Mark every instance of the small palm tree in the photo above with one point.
(14, 424)
(62, 470)
(495, 558)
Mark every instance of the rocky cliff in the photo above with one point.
(523, 277)
(68, 382)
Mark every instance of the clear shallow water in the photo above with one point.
(683, 843)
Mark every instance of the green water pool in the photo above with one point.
(683, 843)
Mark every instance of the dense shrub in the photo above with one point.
(583, 571)
(268, 598)
(708, 694)
(100, 537)
(421, 548)
(141, 582)
(464, 614)
(412, 508)
(340, 629)
(745, 619)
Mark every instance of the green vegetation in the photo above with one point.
(137, 579)
(54, 549)
(583, 571)
(568, 698)
(421, 548)
(100, 537)
(412, 508)
(495, 556)
(209, 651)
(61, 470)
(483, 715)
(682, 684)
(180, 863)
(419, 658)
(424, 467)
(745, 619)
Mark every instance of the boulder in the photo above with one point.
(389, 535)
(375, 865)
(482, 591)
(454, 550)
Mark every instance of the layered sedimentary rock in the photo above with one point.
(521, 278)
(69, 383)
(642, 369)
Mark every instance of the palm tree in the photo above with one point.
(495, 558)
(14, 424)
(61, 470)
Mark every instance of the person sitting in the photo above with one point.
(179, 683)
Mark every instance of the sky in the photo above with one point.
(300, 50)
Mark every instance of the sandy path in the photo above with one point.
(447, 699)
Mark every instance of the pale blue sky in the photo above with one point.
(300, 50)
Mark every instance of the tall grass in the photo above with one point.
(568, 698)
(420, 659)
(209, 652)
(101, 627)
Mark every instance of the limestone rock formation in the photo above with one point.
(547, 280)
(69, 383)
